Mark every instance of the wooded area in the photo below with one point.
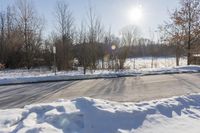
(22, 44)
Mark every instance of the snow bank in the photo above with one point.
(86, 115)
(171, 70)
(14, 78)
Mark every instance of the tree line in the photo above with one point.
(22, 44)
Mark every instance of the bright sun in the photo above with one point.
(136, 14)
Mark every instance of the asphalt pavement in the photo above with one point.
(125, 89)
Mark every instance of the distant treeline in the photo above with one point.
(22, 44)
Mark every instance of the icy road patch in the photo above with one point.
(86, 115)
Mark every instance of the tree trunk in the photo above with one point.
(189, 37)
(152, 61)
(177, 60)
(84, 70)
(177, 56)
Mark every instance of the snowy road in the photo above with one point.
(117, 89)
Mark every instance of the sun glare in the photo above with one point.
(136, 14)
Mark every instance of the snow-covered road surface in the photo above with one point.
(85, 115)
(132, 89)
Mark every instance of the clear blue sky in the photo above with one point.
(112, 12)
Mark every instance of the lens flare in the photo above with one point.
(136, 14)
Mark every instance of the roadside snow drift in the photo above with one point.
(16, 77)
(86, 115)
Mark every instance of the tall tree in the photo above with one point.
(2, 37)
(95, 35)
(30, 26)
(65, 28)
(129, 37)
(185, 25)
(84, 51)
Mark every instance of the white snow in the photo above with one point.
(160, 62)
(86, 115)
(143, 67)
(17, 78)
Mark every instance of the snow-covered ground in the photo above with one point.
(143, 67)
(33, 77)
(86, 115)
(147, 62)
(140, 64)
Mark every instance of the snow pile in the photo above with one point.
(142, 67)
(140, 64)
(14, 78)
(86, 115)
(180, 69)
(31, 76)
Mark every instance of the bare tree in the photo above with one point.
(65, 28)
(84, 51)
(30, 26)
(152, 46)
(185, 26)
(2, 37)
(95, 35)
(7, 30)
(129, 36)
(171, 35)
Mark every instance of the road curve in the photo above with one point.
(126, 89)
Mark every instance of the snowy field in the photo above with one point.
(146, 63)
(143, 66)
(86, 115)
